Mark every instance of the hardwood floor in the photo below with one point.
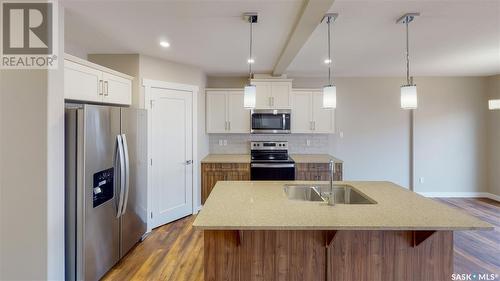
(477, 251)
(174, 252)
(171, 252)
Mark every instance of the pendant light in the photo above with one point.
(330, 90)
(494, 104)
(250, 91)
(408, 91)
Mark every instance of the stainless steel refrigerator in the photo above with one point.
(106, 198)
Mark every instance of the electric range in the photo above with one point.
(270, 161)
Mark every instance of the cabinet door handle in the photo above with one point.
(229, 125)
(101, 88)
(225, 125)
(270, 101)
(106, 88)
(272, 98)
(314, 125)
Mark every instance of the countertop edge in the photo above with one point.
(238, 158)
(485, 228)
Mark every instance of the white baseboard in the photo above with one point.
(494, 197)
(461, 195)
(197, 209)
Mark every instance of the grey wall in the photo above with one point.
(32, 172)
(450, 135)
(373, 133)
(493, 88)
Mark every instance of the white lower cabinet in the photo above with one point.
(308, 114)
(225, 112)
(88, 82)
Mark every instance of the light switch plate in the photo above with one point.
(308, 142)
(225, 142)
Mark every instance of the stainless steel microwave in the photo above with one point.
(270, 121)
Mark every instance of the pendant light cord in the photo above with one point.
(329, 54)
(251, 40)
(407, 53)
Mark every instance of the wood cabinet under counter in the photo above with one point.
(211, 173)
(317, 171)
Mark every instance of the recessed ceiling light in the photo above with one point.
(327, 61)
(250, 60)
(164, 44)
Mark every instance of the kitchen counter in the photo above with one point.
(246, 205)
(245, 158)
(226, 158)
(314, 158)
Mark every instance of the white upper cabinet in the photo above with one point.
(323, 118)
(116, 89)
(273, 94)
(281, 94)
(82, 82)
(216, 115)
(238, 116)
(89, 82)
(301, 112)
(225, 112)
(263, 94)
(308, 114)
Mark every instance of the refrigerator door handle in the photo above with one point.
(127, 174)
(116, 154)
(122, 175)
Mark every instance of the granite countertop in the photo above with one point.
(226, 158)
(264, 205)
(314, 158)
(245, 158)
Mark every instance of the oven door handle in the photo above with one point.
(271, 165)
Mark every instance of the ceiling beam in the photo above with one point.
(313, 12)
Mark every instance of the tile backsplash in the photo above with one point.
(240, 143)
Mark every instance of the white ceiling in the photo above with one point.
(451, 37)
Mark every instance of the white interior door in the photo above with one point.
(172, 154)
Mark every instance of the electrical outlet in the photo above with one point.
(308, 142)
(421, 180)
(225, 142)
(220, 143)
(341, 134)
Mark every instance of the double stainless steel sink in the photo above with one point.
(343, 194)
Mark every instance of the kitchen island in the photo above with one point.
(253, 231)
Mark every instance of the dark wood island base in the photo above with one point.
(347, 255)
